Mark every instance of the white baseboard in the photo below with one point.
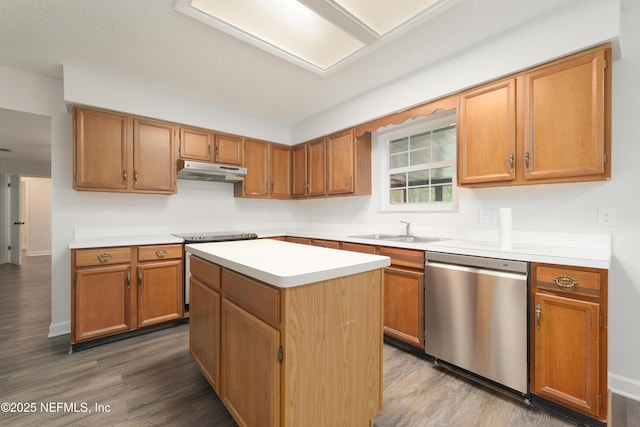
(38, 253)
(61, 328)
(624, 386)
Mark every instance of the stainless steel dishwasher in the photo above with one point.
(476, 316)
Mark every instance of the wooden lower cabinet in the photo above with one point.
(308, 355)
(100, 299)
(120, 289)
(569, 338)
(404, 305)
(250, 367)
(404, 295)
(160, 299)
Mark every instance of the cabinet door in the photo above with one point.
(101, 302)
(195, 144)
(280, 171)
(566, 352)
(154, 157)
(487, 134)
(299, 171)
(316, 168)
(204, 331)
(563, 119)
(228, 149)
(102, 147)
(340, 163)
(255, 183)
(404, 305)
(250, 368)
(160, 294)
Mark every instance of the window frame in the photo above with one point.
(439, 120)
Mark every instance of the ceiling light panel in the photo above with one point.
(385, 16)
(285, 27)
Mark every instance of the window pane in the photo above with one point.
(442, 193)
(398, 160)
(397, 196)
(420, 141)
(442, 175)
(419, 178)
(419, 195)
(444, 144)
(399, 145)
(420, 157)
(445, 136)
(398, 180)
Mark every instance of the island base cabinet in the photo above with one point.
(250, 368)
(204, 331)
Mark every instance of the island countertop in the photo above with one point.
(285, 264)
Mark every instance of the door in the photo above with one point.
(154, 157)
(160, 297)
(340, 164)
(256, 160)
(280, 171)
(566, 352)
(15, 218)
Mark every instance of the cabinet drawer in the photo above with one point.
(572, 280)
(326, 243)
(357, 247)
(102, 256)
(405, 257)
(259, 299)
(206, 272)
(154, 253)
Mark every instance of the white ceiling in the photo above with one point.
(149, 43)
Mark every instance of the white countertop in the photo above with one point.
(285, 264)
(112, 241)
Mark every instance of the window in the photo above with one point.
(419, 165)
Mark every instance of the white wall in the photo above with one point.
(557, 208)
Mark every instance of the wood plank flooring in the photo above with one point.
(150, 380)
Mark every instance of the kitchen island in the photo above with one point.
(288, 334)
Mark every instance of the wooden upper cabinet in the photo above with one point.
(196, 144)
(102, 151)
(487, 133)
(228, 149)
(299, 170)
(280, 171)
(340, 163)
(316, 168)
(115, 152)
(154, 158)
(256, 182)
(564, 110)
(548, 124)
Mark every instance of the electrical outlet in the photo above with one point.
(607, 217)
(488, 216)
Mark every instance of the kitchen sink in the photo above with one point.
(399, 238)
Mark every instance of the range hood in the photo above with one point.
(202, 171)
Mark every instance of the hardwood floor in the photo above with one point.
(150, 380)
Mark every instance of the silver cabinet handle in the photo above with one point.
(565, 281)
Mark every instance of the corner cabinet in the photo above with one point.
(548, 124)
(115, 152)
(569, 337)
(121, 289)
(336, 165)
(277, 367)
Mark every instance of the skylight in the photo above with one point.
(318, 35)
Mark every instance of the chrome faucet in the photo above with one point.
(408, 225)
